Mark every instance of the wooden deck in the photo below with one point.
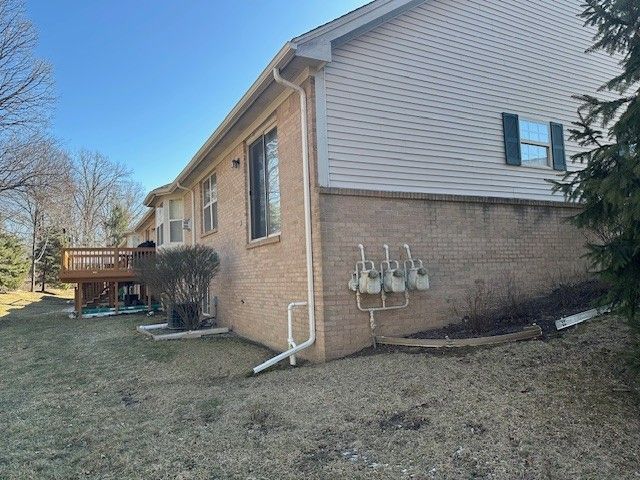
(101, 264)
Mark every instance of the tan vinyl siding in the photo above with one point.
(415, 104)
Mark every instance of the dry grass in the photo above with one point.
(93, 399)
(19, 299)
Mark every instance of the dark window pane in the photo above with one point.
(175, 231)
(258, 193)
(159, 235)
(214, 215)
(207, 219)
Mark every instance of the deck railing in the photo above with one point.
(101, 263)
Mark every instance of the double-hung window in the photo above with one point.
(176, 215)
(210, 203)
(533, 143)
(264, 186)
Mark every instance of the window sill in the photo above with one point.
(208, 234)
(263, 241)
(538, 167)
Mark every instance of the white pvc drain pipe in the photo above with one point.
(311, 307)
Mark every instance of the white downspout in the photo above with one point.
(193, 212)
(307, 229)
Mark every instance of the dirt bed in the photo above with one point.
(95, 399)
(543, 311)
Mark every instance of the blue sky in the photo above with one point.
(147, 81)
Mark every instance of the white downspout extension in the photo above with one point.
(193, 212)
(307, 235)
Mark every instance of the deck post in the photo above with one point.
(147, 292)
(115, 296)
(79, 299)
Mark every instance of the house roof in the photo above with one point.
(158, 192)
(311, 49)
(142, 220)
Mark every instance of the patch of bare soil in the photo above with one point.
(543, 311)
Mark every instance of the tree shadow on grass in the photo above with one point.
(29, 304)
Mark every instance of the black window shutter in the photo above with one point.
(511, 130)
(557, 147)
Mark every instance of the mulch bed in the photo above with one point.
(543, 311)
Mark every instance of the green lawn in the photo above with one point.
(95, 399)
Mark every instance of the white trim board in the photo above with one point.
(321, 129)
(146, 330)
(571, 320)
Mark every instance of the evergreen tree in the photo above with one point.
(13, 262)
(609, 133)
(117, 224)
(48, 267)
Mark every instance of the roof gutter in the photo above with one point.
(144, 218)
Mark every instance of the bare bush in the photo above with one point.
(477, 309)
(515, 298)
(181, 277)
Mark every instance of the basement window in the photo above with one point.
(264, 186)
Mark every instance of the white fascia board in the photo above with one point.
(316, 50)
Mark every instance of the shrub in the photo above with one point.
(476, 310)
(181, 277)
(13, 262)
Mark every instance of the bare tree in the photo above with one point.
(99, 185)
(26, 85)
(37, 210)
(26, 98)
(27, 163)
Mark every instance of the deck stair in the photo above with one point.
(95, 294)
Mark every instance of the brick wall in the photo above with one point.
(515, 247)
(257, 281)
(512, 247)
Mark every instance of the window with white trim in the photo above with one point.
(535, 143)
(206, 303)
(176, 219)
(159, 225)
(264, 186)
(210, 203)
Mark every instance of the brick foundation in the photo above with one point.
(513, 248)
